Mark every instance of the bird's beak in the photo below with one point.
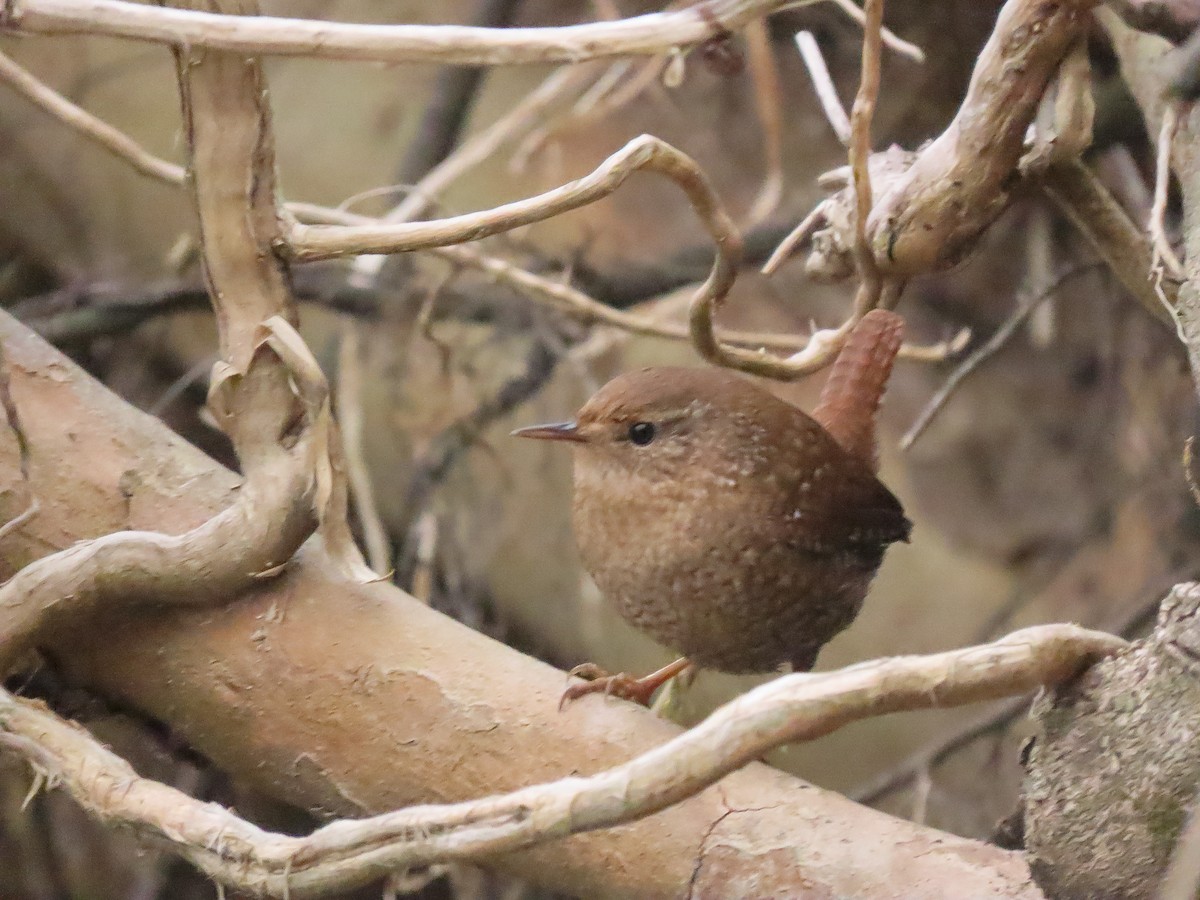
(561, 431)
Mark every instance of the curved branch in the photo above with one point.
(644, 153)
(250, 539)
(349, 853)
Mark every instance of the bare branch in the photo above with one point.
(227, 120)
(985, 352)
(562, 296)
(448, 44)
(115, 142)
(933, 214)
(928, 757)
(347, 853)
(352, 420)
(901, 46)
(577, 304)
(768, 104)
(643, 153)
(1123, 246)
(518, 121)
(308, 242)
(861, 114)
(1164, 254)
(814, 61)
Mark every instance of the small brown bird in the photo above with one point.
(727, 523)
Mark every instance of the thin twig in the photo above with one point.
(1164, 254)
(645, 153)
(346, 853)
(939, 351)
(358, 474)
(115, 142)
(928, 757)
(988, 349)
(768, 104)
(560, 84)
(795, 237)
(450, 104)
(17, 521)
(582, 307)
(921, 794)
(176, 389)
(901, 46)
(601, 100)
(426, 538)
(430, 469)
(861, 114)
(814, 61)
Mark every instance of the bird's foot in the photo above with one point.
(622, 685)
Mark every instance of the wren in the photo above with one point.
(725, 522)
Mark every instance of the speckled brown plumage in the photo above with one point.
(741, 533)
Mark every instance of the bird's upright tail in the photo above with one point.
(851, 396)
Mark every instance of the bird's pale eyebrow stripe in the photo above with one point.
(658, 415)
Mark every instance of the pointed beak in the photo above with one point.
(561, 431)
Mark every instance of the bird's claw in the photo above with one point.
(597, 680)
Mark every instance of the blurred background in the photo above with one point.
(1049, 487)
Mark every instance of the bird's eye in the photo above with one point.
(641, 433)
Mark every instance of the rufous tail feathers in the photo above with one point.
(851, 396)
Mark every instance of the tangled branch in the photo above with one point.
(347, 853)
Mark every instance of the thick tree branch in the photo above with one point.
(347, 853)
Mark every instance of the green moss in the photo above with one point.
(1164, 816)
(1057, 721)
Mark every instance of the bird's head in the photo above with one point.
(669, 423)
